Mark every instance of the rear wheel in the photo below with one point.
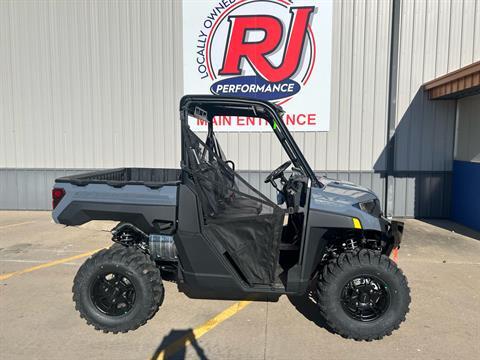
(118, 289)
(363, 296)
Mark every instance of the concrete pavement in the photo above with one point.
(38, 320)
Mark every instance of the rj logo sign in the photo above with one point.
(274, 50)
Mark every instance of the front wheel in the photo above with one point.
(363, 296)
(118, 289)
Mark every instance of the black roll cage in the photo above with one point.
(209, 106)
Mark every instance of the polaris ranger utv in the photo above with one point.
(218, 237)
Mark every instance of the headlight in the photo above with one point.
(372, 207)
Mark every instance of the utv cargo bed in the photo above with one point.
(125, 176)
(146, 195)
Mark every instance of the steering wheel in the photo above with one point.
(275, 174)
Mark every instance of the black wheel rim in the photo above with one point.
(365, 298)
(113, 293)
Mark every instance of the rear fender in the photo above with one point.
(137, 204)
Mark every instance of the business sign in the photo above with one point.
(275, 50)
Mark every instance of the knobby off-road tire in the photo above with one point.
(340, 276)
(126, 272)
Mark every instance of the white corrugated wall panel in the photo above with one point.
(468, 128)
(360, 65)
(476, 26)
(382, 68)
(435, 38)
(90, 84)
(96, 84)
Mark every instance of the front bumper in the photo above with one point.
(394, 235)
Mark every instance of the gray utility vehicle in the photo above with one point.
(218, 237)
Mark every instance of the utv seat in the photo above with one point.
(242, 207)
(216, 182)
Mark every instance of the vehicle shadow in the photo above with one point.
(174, 345)
(418, 159)
(307, 306)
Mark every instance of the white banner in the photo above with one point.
(275, 50)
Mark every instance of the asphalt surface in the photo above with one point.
(38, 320)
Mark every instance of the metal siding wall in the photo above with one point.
(435, 37)
(359, 86)
(468, 129)
(96, 84)
(90, 83)
(29, 188)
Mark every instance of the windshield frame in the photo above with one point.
(272, 113)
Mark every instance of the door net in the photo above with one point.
(242, 223)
